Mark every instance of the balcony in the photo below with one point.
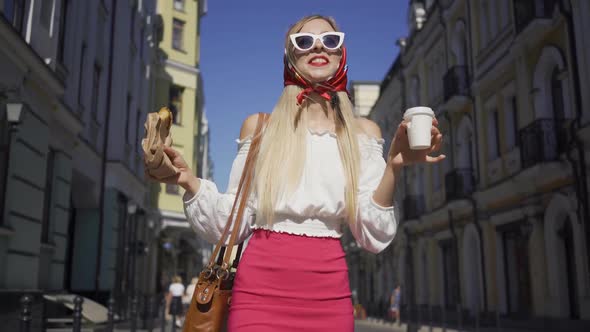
(527, 11)
(456, 87)
(413, 206)
(542, 141)
(459, 183)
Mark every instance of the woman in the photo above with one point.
(319, 169)
(176, 291)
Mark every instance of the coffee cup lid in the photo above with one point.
(423, 110)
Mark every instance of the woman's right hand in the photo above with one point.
(184, 178)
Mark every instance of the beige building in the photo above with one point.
(179, 86)
(497, 234)
(363, 94)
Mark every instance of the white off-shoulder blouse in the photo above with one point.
(317, 206)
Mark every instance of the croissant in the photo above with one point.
(157, 135)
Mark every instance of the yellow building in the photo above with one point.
(497, 234)
(179, 86)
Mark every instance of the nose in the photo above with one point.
(318, 45)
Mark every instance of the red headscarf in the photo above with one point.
(336, 83)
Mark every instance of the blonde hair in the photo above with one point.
(283, 147)
(177, 279)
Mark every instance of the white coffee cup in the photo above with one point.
(419, 120)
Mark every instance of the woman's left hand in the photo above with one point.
(400, 153)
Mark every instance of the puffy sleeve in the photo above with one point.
(208, 210)
(375, 225)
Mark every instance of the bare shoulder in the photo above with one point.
(249, 125)
(369, 127)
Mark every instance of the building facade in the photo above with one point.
(179, 86)
(363, 95)
(497, 233)
(74, 198)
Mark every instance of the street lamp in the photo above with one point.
(13, 115)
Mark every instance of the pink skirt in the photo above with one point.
(291, 283)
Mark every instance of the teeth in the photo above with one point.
(318, 60)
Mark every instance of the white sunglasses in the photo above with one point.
(304, 41)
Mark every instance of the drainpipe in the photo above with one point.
(581, 187)
(104, 151)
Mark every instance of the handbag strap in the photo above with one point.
(240, 201)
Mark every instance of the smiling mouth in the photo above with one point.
(318, 61)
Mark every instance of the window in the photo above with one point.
(559, 110)
(81, 73)
(4, 137)
(483, 27)
(137, 128)
(450, 273)
(493, 136)
(14, 11)
(132, 30)
(566, 235)
(436, 176)
(175, 102)
(127, 113)
(47, 204)
(62, 31)
(46, 11)
(95, 90)
(141, 42)
(516, 271)
(178, 35)
(172, 189)
(557, 95)
(511, 123)
(179, 5)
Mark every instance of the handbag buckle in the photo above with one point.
(209, 273)
(222, 274)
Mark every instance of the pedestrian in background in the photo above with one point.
(318, 169)
(176, 292)
(394, 304)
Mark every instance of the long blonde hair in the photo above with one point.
(283, 147)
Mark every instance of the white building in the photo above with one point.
(364, 94)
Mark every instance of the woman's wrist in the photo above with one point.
(191, 185)
(394, 167)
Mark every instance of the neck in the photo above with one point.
(320, 115)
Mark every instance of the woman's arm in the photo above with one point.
(190, 182)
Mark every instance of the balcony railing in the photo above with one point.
(542, 141)
(456, 82)
(459, 183)
(525, 11)
(413, 206)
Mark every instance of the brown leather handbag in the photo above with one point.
(212, 297)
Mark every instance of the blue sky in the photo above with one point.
(241, 57)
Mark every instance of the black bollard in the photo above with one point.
(111, 314)
(144, 311)
(134, 313)
(163, 314)
(25, 315)
(78, 300)
(150, 313)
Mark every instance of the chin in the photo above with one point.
(319, 77)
